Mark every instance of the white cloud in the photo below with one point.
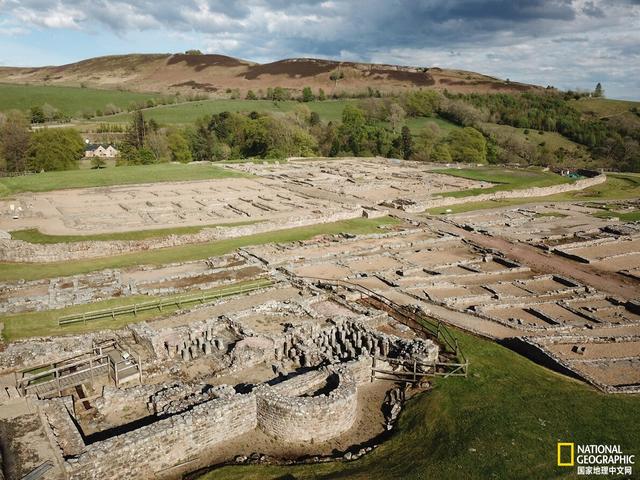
(568, 43)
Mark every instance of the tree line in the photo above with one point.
(22, 149)
(368, 127)
(230, 136)
(614, 143)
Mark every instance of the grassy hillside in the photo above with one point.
(166, 172)
(71, 101)
(506, 179)
(620, 113)
(502, 422)
(604, 107)
(217, 73)
(187, 113)
(552, 140)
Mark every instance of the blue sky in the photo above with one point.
(565, 43)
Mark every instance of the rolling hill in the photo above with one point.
(216, 74)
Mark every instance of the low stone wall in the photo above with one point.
(523, 193)
(143, 452)
(20, 251)
(185, 428)
(287, 416)
(64, 430)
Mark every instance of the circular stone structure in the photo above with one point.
(320, 408)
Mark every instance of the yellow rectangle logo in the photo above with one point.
(564, 446)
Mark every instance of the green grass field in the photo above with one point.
(33, 271)
(502, 422)
(506, 179)
(166, 172)
(71, 101)
(45, 323)
(622, 216)
(619, 186)
(330, 110)
(35, 236)
(552, 140)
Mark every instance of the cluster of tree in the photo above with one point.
(229, 135)
(46, 113)
(44, 149)
(460, 145)
(616, 144)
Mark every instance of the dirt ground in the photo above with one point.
(613, 283)
(24, 442)
(86, 211)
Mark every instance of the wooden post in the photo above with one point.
(91, 369)
(57, 375)
(415, 370)
(373, 366)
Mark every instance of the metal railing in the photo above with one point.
(161, 303)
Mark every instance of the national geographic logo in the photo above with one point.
(566, 454)
(595, 459)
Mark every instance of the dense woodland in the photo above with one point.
(375, 125)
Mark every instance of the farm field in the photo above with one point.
(71, 101)
(604, 107)
(186, 113)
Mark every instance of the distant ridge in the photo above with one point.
(218, 73)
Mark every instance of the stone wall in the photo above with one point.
(141, 453)
(306, 407)
(20, 251)
(522, 193)
(64, 429)
(287, 416)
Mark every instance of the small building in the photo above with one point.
(102, 151)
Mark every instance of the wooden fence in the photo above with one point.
(161, 303)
